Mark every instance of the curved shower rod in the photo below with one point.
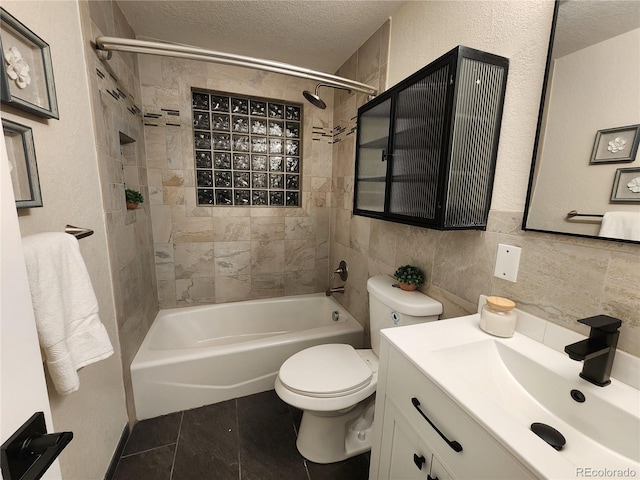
(196, 53)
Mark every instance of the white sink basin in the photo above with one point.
(530, 391)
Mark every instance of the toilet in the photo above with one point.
(334, 384)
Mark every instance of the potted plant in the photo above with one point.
(409, 277)
(133, 198)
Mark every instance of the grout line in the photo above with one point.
(147, 450)
(304, 461)
(175, 454)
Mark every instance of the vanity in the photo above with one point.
(454, 402)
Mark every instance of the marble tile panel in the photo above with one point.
(193, 260)
(231, 229)
(232, 258)
(233, 288)
(267, 256)
(342, 227)
(556, 281)
(452, 305)
(189, 229)
(299, 255)
(171, 178)
(323, 222)
(155, 176)
(382, 240)
(195, 291)
(415, 246)
(156, 148)
(322, 274)
(267, 228)
(464, 262)
(300, 282)
(369, 57)
(298, 228)
(267, 285)
(167, 293)
(173, 195)
(156, 196)
(505, 222)
(360, 234)
(174, 148)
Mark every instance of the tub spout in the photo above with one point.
(334, 290)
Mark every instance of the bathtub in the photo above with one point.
(196, 356)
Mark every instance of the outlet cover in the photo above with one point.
(507, 262)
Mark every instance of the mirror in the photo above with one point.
(585, 161)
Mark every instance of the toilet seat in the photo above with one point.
(325, 371)
(327, 377)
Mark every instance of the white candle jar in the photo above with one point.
(498, 317)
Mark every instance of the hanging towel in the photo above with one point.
(65, 306)
(625, 225)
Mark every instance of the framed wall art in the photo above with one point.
(26, 71)
(22, 159)
(616, 145)
(626, 186)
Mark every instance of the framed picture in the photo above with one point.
(616, 145)
(22, 160)
(26, 72)
(626, 186)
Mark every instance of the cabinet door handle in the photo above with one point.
(429, 477)
(384, 156)
(419, 460)
(453, 444)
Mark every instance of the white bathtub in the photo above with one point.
(196, 356)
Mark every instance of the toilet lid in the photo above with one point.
(326, 371)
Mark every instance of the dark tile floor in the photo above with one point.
(248, 438)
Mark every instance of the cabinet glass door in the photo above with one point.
(373, 140)
(421, 118)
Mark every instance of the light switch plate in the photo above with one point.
(507, 262)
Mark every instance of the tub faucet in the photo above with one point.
(598, 350)
(334, 290)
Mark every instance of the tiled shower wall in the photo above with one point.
(115, 90)
(560, 278)
(206, 255)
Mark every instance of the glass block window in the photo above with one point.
(248, 151)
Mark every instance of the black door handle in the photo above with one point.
(453, 444)
(419, 460)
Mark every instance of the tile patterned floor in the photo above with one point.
(248, 438)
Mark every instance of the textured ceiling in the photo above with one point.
(320, 35)
(587, 22)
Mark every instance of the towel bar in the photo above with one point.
(78, 232)
(574, 213)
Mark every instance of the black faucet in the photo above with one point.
(598, 350)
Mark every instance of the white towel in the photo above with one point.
(65, 306)
(624, 225)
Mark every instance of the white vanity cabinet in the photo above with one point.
(452, 444)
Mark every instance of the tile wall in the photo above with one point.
(207, 255)
(560, 279)
(116, 97)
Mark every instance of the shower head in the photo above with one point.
(315, 99)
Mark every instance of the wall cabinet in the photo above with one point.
(426, 148)
(450, 445)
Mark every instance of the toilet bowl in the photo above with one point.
(334, 384)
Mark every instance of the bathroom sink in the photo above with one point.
(533, 383)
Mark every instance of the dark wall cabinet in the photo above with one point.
(426, 148)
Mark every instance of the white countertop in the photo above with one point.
(422, 345)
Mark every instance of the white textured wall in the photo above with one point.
(605, 96)
(422, 31)
(68, 170)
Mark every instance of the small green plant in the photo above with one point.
(133, 196)
(409, 275)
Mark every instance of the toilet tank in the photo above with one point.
(390, 306)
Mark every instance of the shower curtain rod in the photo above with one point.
(195, 53)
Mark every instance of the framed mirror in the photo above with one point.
(582, 180)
